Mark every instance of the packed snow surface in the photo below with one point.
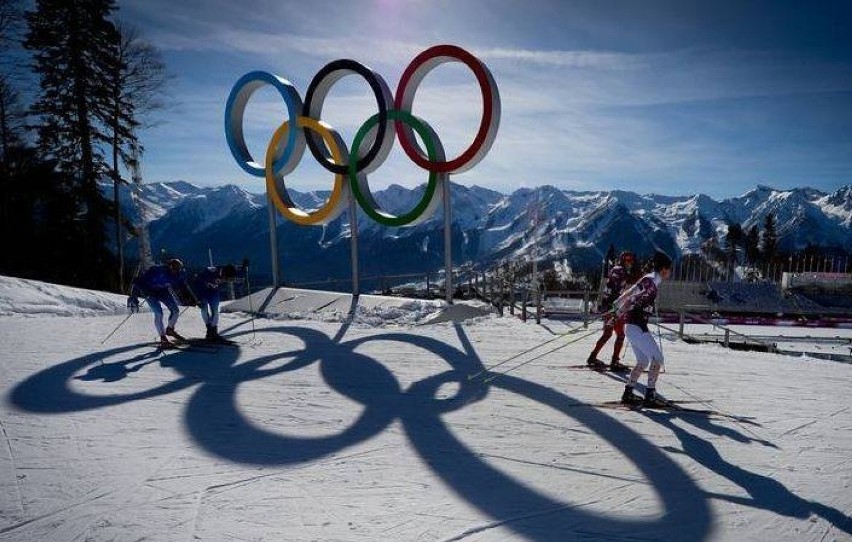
(311, 430)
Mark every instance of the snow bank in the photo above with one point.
(460, 312)
(33, 297)
(367, 311)
(409, 312)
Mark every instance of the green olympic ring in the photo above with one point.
(361, 190)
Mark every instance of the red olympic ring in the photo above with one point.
(407, 88)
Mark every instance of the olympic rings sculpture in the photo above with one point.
(303, 128)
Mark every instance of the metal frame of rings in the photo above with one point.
(371, 145)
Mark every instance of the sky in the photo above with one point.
(670, 97)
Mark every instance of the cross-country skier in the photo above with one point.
(618, 279)
(207, 284)
(157, 285)
(636, 305)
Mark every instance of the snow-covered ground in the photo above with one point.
(32, 297)
(315, 430)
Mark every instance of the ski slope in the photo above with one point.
(313, 430)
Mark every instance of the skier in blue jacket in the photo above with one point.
(208, 283)
(157, 286)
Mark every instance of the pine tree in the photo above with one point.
(752, 244)
(770, 237)
(12, 121)
(712, 250)
(734, 239)
(73, 50)
(609, 259)
(10, 14)
(12, 113)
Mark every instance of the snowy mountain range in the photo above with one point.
(187, 220)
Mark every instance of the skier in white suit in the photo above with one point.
(635, 306)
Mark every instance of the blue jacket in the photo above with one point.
(207, 282)
(157, 280)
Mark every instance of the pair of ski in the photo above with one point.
(665, 405)
(662, 404)
(659, 405)
(601, 367)
(195, 345)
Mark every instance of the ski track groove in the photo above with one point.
(146, 482)
(88, 501)
(198, 502)
(791, 431)
(499, 523)
(564, 467)
(397, 526)
(724, 414)
(218, 489)
(828, 530)
(55, 512)
(14, 469)
(545, 424)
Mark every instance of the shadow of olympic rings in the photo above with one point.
(214, 420)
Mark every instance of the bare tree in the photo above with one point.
(138, 86)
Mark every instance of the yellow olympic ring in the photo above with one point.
(336, 202)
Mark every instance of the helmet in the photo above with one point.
(626, 258)
(174, 265)
(662, 261)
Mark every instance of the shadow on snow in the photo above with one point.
(214, 420)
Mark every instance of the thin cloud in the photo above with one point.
(592, 112)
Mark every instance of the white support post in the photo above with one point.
(448, 238)
(353, 247)
(273, 242)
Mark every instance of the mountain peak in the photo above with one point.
(580, 224)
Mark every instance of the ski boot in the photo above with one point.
(164, 343)
(170, 331)
(595, 364)
(214, 337)
(628, 397)
(617, 367)
(652, 400)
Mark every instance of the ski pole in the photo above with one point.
(135, 274)
(552, 350)
(507, 360)
(247, 292)
(660, 336)
(251, 307)
(116, 328)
